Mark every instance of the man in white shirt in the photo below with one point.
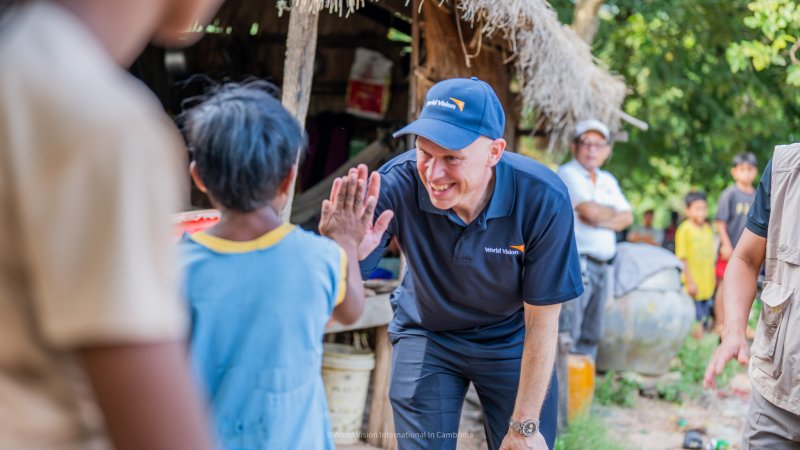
(600, 211)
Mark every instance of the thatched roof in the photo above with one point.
(560, 78)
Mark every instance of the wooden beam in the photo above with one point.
(298, 72)
(380, 429)
(377, 313)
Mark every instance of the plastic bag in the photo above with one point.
(369, 86)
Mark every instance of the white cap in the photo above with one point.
(591, 125)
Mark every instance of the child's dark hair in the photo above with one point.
(694, 196)
(745, 158)
(243, 142)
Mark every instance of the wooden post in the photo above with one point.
(444, 57)
(298, 72)
(380, 429)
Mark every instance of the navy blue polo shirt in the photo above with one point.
(466, 283)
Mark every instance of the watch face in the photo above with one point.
(528, 428)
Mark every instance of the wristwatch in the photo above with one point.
(526, 428)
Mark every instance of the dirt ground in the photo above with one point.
(650, 424)
(658, 425)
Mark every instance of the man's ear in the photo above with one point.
(196, 178)
(496, 149)
(288, 180)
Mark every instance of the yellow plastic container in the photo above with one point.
(580, 369)
(345, 374)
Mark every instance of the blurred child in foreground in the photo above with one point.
(93, 335)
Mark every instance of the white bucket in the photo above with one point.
(345, 373)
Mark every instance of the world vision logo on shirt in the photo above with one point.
(458, 103)
(511, 250)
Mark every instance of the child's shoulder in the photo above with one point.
(312, 242)
(728, 191)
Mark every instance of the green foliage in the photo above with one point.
(674, 57)
(586, 432)
(755, 313)
(616, 390)
(779, 24)
(677, 392)
(691, 362)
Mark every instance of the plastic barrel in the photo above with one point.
(345, 372)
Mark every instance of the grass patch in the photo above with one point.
(755, 312)
(613, 389)
(691, 362)
(587, 432)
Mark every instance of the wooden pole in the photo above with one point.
(381, 424)
(298, 72)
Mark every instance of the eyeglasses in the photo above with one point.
(593, 145)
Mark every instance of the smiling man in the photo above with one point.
(491, 256)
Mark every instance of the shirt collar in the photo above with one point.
(500, 205)
(582, 170)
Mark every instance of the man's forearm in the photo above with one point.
(538, 357)
(594, 213)
(739, 294)
(618, 222)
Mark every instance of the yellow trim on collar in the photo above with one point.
(227, 246)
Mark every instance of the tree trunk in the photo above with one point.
(584, 20)
(444, 58)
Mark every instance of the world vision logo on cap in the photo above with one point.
(520, 247)
(441, 104)
(458, 103)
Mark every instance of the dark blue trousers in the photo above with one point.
(428, 386)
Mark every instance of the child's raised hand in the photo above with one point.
(347, 214)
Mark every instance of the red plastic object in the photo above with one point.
(193, 221)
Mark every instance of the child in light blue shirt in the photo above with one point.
(261, 290)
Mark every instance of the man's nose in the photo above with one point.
(435, 169)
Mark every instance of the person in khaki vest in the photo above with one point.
(92, 333)
(771, 236)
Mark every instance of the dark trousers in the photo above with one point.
(428, 386)
(583, 317)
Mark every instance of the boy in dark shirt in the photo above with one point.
(732, 209)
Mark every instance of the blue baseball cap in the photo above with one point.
(458, 111)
